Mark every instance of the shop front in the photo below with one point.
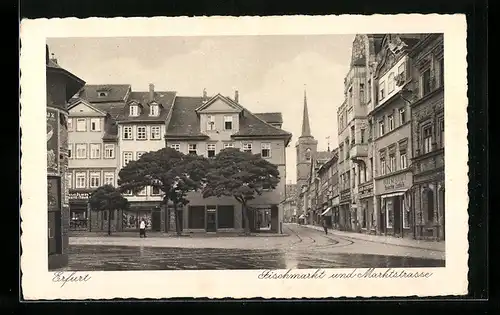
(345, 211)
(366, 208)
(149, 211)
(334, 204)
(79, 210)
(395, 205)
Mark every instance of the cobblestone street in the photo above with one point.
(303, 247)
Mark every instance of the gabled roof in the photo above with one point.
(218, 96)
(165, 99)
(252, 125)
(184, 120)
(82, 101)
(116, 92)
(271, 118)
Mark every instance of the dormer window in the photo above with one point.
(102, 94)
(134, 111)
(154, 110)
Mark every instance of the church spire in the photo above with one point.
(306, 128)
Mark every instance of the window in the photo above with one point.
(95, 178)
(228, 122)
(109, 178)
(127, 133)
(69, 180)
(102, 94)
(392, 161)
(441, 132)
(369, 90)
(81, 124)
(192, 149)
(155, 133)
(441, 71)
(95, 151)
(134, 110)
(403, 160)
(350, 95)
(406, 213)
(362, 93)
(389, 213)
(127, 157)
(176, 146)
(383, 166)
(390, 82)
(142, 192)
(390, 118)
(70, 124)
(228, 145)
(381, 128)
(353, 135)
(265, 150)
(154, 110)
(196, 217)
(109, 151)
(211, 150)
(81, 180)
(371, 168)
(141, 133)
(95, 124)
(70, 150)
(155, 191)
(210, 122)
(247, 147)
(81, 151)
(401, 71)
(402, 116)
(139, 154)
(426, 82)
(381, 90)
(427, 139)
(362, 133)
(225, 217)
(127, 193)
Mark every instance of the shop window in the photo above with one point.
(389, 206)
(132, 219)
(225, 217)
(196, 217)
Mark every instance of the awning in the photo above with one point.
(393, 194)
(327, 212)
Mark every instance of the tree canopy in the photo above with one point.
(107, 198)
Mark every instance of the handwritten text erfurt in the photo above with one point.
(63, 277)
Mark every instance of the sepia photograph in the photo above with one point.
(290, 156)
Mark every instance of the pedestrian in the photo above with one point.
(142, 228)
(325, 227)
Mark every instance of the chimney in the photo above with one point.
(151, 92)
(236, 96)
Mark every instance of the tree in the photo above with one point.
(173, 173)
(107, 198)
(241, 175)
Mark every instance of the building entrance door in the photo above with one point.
(211, 220)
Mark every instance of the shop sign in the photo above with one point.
(78, 195)
(397, 182)
(345, 196)
(52, 141)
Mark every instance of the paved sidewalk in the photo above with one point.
(429, 245)
(86, 234)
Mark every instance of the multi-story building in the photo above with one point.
(329, 195)
(61, 85)
(205, 126)
(426, 94)
(289, 205)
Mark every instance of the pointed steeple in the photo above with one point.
(306, 128)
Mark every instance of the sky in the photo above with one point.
(270, 72)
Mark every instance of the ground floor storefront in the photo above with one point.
(345, 217)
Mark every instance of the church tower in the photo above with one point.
(306, 148)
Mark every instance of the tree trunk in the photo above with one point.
(245, 218)
(109, 222)
(177, 223)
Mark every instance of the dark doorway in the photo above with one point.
(397, 215)
(429, 195)
(211, 220)
(156, 221)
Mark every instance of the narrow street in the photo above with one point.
(303, 247)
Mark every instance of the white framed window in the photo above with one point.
(383, 166)
(109, 151)
(127, 193)
(265, 150)
(70, 150)
(427, 139)
(95, 124)
(81, 151)
(392, 163)
(247, 147)
(403, 160)
(142, 192)
(81, 124)
(211, 150)
(154, 110)
(228, 122)
(127, 157)
(402, 116)
(109, 178)
(381, 128)
(127, 133)
(210, 122)
(176, 146)
(381, 89)
(155, 191)
(95, 150)
(155, 133)
(401, 71)
(95, 179)
(390, 82)
(141, 133)
(139, 154)
(390, 118)
(192, 148)
(69, 180)
(70, 124)
(81, 180)
(134, 110)
(228, 145)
